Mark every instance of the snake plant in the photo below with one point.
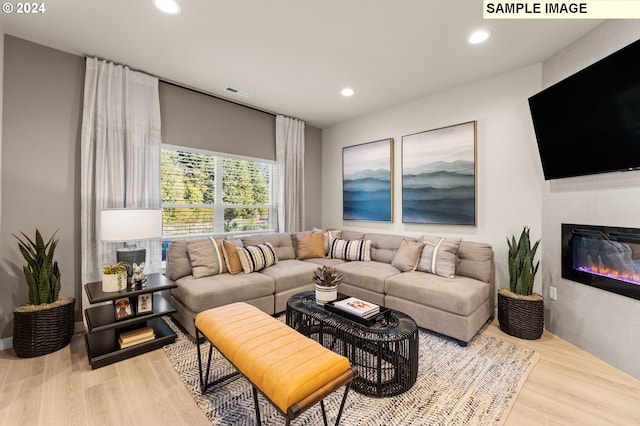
(41, 271)
(522, 269)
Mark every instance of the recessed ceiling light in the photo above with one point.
(168, 6)
(347, 91)
(479, 36)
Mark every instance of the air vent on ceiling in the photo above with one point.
(237, 91)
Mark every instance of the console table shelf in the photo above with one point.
(103, 329)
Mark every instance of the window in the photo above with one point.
(207, 193)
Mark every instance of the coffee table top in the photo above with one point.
(396, 325)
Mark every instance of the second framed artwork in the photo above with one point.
(367, 181)
(439, 176)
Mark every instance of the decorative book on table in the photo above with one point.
(357, 307)
(137, 336)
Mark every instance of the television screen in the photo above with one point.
(589, 122)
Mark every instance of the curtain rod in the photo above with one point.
(182, 86)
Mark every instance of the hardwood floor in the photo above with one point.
(567, 386)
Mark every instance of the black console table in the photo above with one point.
(103, 329)
(385, 353)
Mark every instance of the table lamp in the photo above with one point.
(128, 226)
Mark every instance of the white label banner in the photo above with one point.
(586, 9)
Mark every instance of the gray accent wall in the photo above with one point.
(40, 169)
(602, 323)
(40, 163)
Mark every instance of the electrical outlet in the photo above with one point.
(553, 295)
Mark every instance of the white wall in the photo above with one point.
(605, 324)
(509, 171)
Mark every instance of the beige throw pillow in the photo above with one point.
(439, 256)
(205, 257)
(406, 259)
(231, 257)
(309, 245)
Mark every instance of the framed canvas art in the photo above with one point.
(367, 181)
(439, 176)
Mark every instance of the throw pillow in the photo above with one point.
(309, 245)
(439, 256)
(327, 235)
(178, 264)
(255, 258)
(231, 258)
(350, 249)
(406, 259)
(205, 257)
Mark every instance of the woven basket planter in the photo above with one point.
(42, 329)
(521, 316)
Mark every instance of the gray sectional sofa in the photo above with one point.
(445, 284)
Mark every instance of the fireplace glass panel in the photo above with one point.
(603, 257)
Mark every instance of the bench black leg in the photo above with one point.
(344, 400)
(324, 413)
(204, 377)
(255, 402)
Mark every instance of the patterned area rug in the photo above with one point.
(476, 385)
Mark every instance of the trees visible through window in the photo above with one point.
(207, 193)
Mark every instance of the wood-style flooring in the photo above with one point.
(566, 387)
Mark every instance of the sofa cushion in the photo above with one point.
(282, 243)
(461, 296)
(217, 290)
(407, 256)
(309, 245)
(178, 264)
(350, 235)
(439, 256)
(256, 258)
(367, 275)
(475, 260)
(231, 257)
(384, 246)
(290, 273)
(206, 257)
(350, 250)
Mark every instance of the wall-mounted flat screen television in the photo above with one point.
(589, 122)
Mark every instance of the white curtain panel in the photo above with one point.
(120, 157)
(290, 161)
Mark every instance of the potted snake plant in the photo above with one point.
(520, 310)
(46, 323)
(327, 280)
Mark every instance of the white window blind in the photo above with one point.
(206, 193)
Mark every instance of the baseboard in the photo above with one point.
(6, 343)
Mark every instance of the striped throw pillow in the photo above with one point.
(255, 258)
(439, 256)
(350, 249)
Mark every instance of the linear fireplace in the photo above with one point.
(602, 256)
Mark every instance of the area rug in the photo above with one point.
(473, 385)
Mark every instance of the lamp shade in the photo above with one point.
(117, 225)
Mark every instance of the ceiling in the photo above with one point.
(295, 56)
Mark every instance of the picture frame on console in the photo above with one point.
(145, 304)
(122, 308)
(439, 179)
(367, 181)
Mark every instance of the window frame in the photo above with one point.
(218, 207)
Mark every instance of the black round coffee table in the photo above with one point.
(385, 353)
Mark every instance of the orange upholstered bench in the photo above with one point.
(292, 371)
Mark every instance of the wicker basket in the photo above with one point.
(520, 316)
(40, 330)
